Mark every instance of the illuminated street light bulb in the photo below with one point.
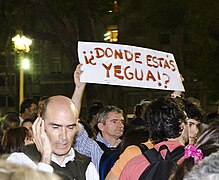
(25, 64)
(22, 43)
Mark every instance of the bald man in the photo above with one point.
(54, 134)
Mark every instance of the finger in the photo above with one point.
(80, 68)
(36, 130)
(35, 124)
(42, 127)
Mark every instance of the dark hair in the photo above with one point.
(208, 143)
(26, 104)
(42, 98)
(134, 136)
(42, 110)
(193, 109)
(93, 110)
(138, 110)
(11, 119)
(14, 139)
(103, 113)
(164, 117)
(210, 117)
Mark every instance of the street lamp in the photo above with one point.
(21, 45)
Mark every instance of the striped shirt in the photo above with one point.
(89, 147)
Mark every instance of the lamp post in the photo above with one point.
(21, 45)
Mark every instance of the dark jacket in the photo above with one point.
(74, 170)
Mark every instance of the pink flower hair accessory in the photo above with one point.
(195, 153)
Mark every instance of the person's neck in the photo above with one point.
(181, 140)
(60, 159)
(112, 140)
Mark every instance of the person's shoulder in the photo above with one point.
(31, 151)
(79, 156)
(132, 149)
(91, 172)
(138, 121)
(129, 153)
(171, 144)
(134, 167)
(17, 157)
(149, 144)
(138, 159)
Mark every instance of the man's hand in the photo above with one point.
(77, 74)
(41, 140)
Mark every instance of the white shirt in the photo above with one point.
(21, 120)
(23, 159)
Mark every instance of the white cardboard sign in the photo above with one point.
(124, 65)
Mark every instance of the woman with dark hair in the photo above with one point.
(206, 144)
(15, 139)
(10, 120)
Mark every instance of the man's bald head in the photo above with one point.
(57, 103)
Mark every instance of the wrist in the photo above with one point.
(46, 159)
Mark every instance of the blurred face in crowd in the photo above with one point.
(32, 111)
(193, 129)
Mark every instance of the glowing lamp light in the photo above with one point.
(21, 43)
(25, 64)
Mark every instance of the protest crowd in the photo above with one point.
(170, 137)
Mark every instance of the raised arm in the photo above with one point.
(79, 88)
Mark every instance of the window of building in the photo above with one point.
(111, 34)
(56, 66)
(2, 101)
(11, 102)
(2, 79)
(2, 62)
(6, 101)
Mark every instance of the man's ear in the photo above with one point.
(100, 126)
(182, 126)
